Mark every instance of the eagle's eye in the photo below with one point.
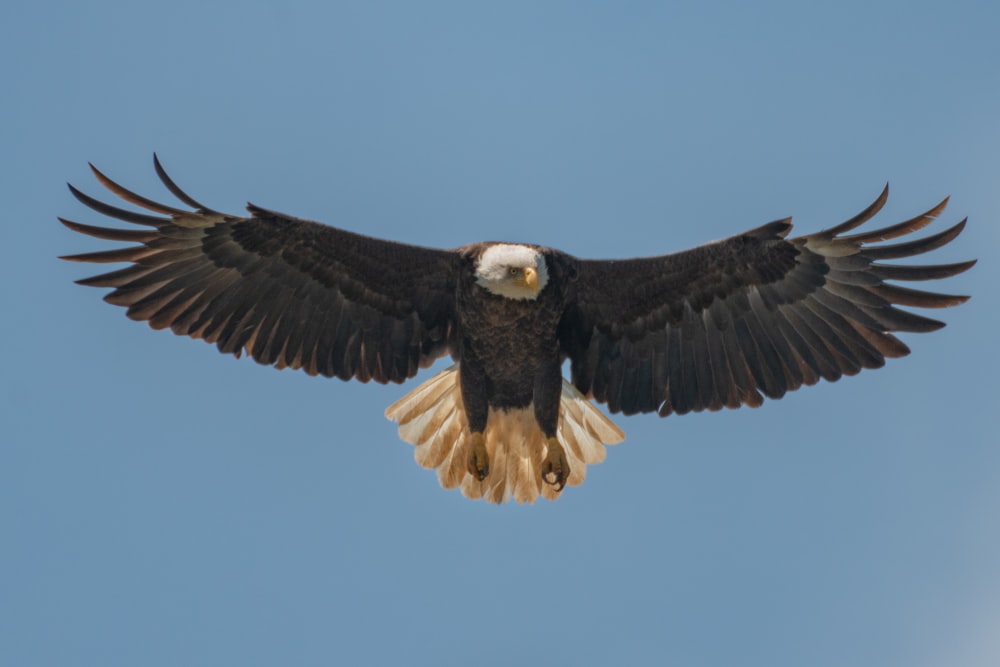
(513, 271)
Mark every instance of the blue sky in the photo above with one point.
(162, 504)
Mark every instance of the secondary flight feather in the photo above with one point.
(721, 325)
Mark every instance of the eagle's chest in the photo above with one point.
(513, 329)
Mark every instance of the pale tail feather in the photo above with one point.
(432, 417)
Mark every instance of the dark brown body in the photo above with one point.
(509, 349)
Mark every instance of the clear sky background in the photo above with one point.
(162, 504)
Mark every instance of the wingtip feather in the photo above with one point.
(132, 197)
(864, 216)
(176, 190)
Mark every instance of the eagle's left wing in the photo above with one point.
(288, 292)
(720, 324)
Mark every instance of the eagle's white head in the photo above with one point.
(513, 271)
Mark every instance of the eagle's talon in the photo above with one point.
(479, 460)
(555, 466)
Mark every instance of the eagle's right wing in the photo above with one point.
(289, 292)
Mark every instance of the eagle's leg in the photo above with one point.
(547, 394)
(479, 460)
(555, 466)
(472, 379)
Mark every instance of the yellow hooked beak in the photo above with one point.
(531, 278)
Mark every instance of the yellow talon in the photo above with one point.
(555, 466)
(479, 460)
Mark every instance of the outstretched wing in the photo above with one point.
(720, 324)
(289, 292)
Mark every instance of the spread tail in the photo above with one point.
(432, 417)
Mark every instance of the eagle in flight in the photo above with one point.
(718, 326)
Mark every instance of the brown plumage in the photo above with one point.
(720, 325)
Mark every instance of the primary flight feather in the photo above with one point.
(721, 325)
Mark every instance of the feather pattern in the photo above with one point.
(723, 323)
(275, 287)
(432, 417)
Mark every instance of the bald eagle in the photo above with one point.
(718, 326)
